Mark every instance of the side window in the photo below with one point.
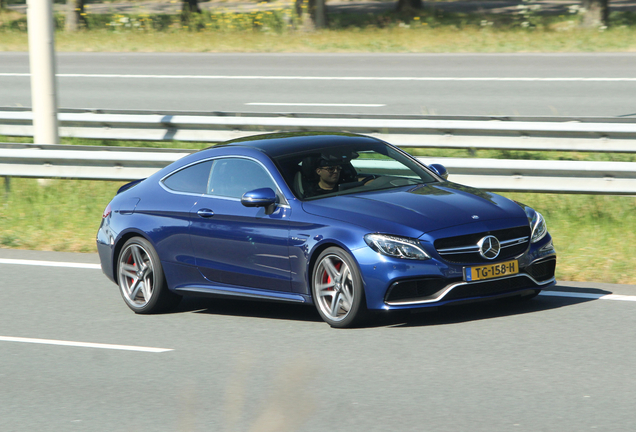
(232, 177)
(193, 179)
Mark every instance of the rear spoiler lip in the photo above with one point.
(129, 185)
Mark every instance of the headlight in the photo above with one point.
(539, 228)
(537, 224)
(398, 247)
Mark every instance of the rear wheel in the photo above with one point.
(337, 289)
(141, 280)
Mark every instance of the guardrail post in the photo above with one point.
(7, 187)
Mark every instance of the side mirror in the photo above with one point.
(440, 170)
(264, 197)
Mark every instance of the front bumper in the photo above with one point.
(392, 284)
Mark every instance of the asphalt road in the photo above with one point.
(443, 84)
(555, 363)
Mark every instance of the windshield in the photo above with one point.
(338, 170)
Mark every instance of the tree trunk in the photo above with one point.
(596, 13)
(320, 17)
(74, 11)
(409, 5)
(2, 4)
(190, 6)
(312, 14)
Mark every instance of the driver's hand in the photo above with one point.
(360, 179)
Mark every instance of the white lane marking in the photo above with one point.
(84, 344)
(330, 78)
(50, 264)
(315, 104)
(588, 295)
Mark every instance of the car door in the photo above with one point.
(238, 245)
(171, 211)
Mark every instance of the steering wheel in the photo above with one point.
(367, 178)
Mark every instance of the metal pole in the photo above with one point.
(42, 61)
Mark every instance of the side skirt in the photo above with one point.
(244, 293)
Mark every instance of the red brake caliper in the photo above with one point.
(327, 279)
(130, 258)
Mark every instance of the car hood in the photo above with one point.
(413, 211)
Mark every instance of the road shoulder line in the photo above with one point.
(50, 263)
(83, 344)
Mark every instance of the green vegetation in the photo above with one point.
(59, 215)
(114, 143)
(277, 30)
(594, 235)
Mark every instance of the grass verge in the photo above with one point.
(594, 235)
(427, 31)
(342, 41)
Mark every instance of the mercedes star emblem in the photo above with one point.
(489, 247)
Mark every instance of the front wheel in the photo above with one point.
(141, 280)
(337, 289)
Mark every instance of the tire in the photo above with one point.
(337, 289)
(142, 283)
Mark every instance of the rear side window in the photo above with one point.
(193, 179)
(232, 177)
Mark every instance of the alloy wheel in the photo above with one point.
(334, 286)
(136, 275)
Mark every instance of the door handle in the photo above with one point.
(205, 213)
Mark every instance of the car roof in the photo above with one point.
(283, 144)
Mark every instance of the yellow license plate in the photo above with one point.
(491, 271)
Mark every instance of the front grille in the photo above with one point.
(542, 270)
(418, 289)
(494, 287)
(445, 245)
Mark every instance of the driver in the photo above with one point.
(328, 178)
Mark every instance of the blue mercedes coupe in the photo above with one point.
(346, 222)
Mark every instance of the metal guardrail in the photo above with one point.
(90, 163)
(117, 163)
(510, 133)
